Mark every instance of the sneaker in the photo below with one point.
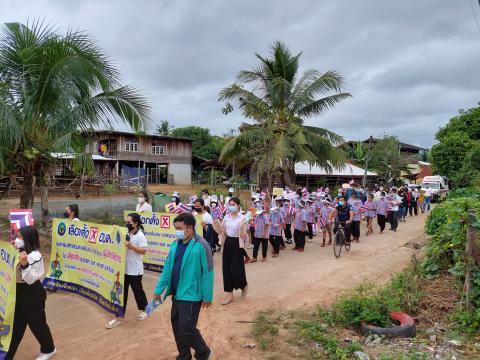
(46, 356)
(142, 316)
(113, 323)
(309, 240)
(289, 241)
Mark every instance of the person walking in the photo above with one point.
(143, 204)
(277, 223)
(217, 216)
(370, 213)
(311, 210)
(395, 202)
(300, 227)
(428, 199)
(382, 206)
(289, 214)
(189, 262)
(356, 206)
(30, 296)
(233, 265)
(260, 224)
(207, 222)
(136, 244)
(414, 205)
(325, 212)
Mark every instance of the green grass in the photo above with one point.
(373, 303)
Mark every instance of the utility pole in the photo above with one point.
(364, 184)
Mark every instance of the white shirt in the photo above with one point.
(207, 200)
(232, 225)
(428, 193)
(207, 218)
(134, 260)
(34, 271)
(145, 207)
(395, 201)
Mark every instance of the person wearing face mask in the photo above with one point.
(31, 296)
(207, 221)
(72, 212)
(217, 216)
(189, 262)
(382, 206)
(342, 214)
(289, 214)
(233, 265)
(277, 224)
(206, 197)
(136, 244)
(300, 229)
(378, 193)
(176, 198)
(231, 191)
(356, 207)
(143, 203)
(260, 224)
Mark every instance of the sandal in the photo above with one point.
(323, 245)
(226, 302)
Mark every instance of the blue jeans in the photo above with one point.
(426, 203)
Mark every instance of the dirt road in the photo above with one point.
(290, 281)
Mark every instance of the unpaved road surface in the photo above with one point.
(291, 281)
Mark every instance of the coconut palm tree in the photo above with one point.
(165, 128)
(52, 87)
(278, 101)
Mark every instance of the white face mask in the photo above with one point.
(141, 199)
(19, 243)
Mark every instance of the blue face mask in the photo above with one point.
(341, 203)
(180, 234)
(232, 208)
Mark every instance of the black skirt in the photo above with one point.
(233, 266)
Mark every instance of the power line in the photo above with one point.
(474, 14)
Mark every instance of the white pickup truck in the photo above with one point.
(437, 186)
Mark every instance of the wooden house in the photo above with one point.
(159, 159)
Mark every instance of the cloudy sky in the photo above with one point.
(410, 64)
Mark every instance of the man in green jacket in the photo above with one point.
(188, 277)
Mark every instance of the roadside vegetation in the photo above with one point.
(431, 290)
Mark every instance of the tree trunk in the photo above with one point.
(270, 179)
(44, 204)
(471, 261)
(26, 192)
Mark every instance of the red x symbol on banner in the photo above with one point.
(165, 222)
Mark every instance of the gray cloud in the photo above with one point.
(410, 65)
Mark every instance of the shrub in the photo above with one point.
(447, 225)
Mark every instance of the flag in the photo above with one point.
(322, 222)
(20, 218)
(364, 207)
(181, 208)
(170, 207)
(292, 210)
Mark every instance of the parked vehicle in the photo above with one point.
(438, 186)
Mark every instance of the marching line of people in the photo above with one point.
(274, 221)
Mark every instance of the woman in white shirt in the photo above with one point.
(207, 221)
(31, 296)
(233, 266)
(136, 244)
(143, 203)
(206, 197)
(72, 212)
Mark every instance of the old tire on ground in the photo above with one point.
(406, 328)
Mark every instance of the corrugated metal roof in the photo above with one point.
(304, 168)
